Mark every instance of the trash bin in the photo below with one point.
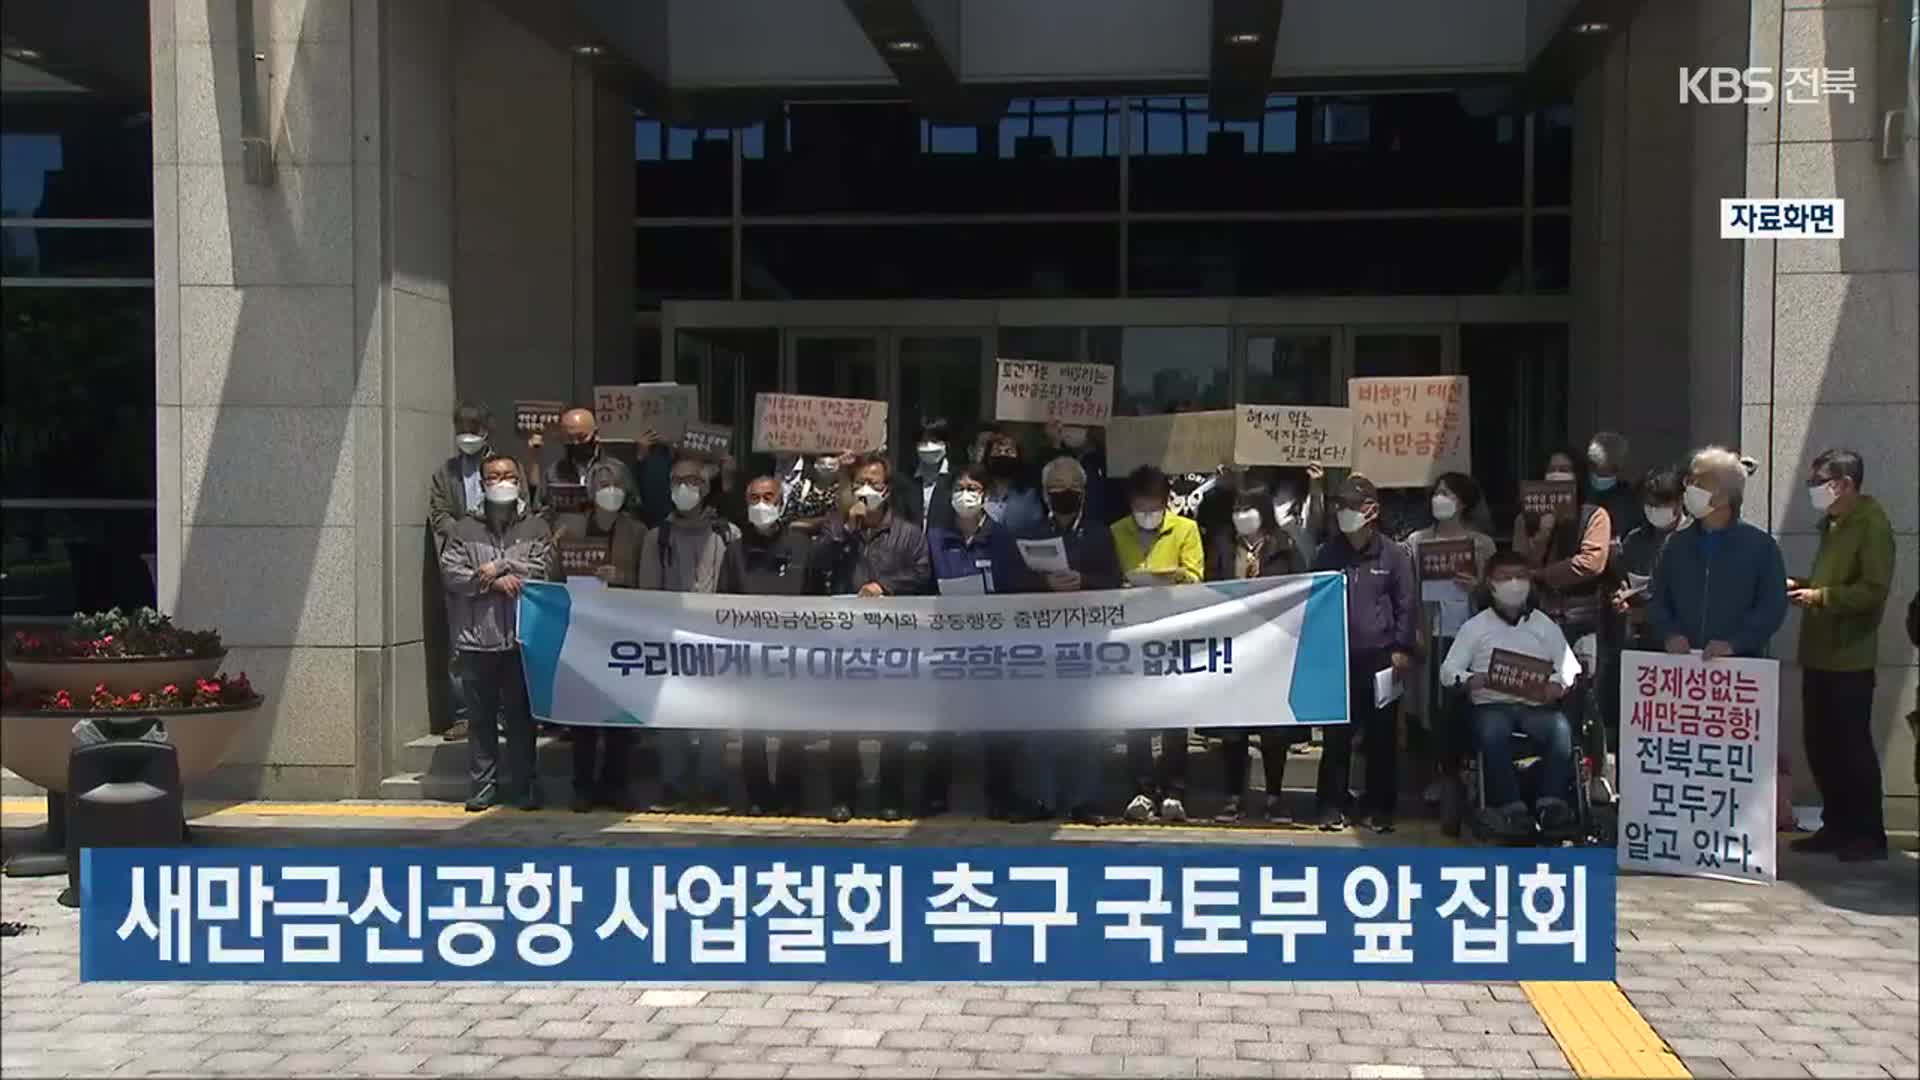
(123, 791)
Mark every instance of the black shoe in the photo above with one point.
(1820, 843)
(1277, 811)
(1333, 820)
(1380, 823)
(890, 813)
(840, 814)
(484, 799)
(582, 802)
(456, 732)
(1862, 851)
(532, 800)
(1229, 814)
(1554, 817)
(1087, 815)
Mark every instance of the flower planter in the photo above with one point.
(36, 744)
(121, 675)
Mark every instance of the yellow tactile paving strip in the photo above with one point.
(1600, 1031)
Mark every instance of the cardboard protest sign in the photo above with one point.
(1555, 497)
(705, 438)
(1699, 746)
(536, 417)
(1294, 435)
(583, 556)
(817, 425)
(1407, 431)
(567, 498)
(1442, 560)
(1518, 674)
(1040, 391)
(624, 413)
(1177, 443)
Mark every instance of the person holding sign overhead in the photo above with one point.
(580, 436)
(1156, 546)
(1516, 665)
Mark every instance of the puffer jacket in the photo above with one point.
(483, 619)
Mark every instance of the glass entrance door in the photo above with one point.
(1380, 351)
(1293, 365)
(940, 374)
(838, 363)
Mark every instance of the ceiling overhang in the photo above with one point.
(96, 46)
(1240, 57)
(1572, 48)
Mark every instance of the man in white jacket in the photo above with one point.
(1520, 694)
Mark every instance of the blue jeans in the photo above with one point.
(1061, 770)
(1545, 727)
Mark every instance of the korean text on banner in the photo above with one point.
(817, 425)
(1039, 390)
(1085, 661)
(583, 556)
(1556, 497)
(1698, 746)
(705, 438)
(1294, 435)
(1066, 912)
(1408, 431)
(536, 417)
(1177, 443)
(624, 413)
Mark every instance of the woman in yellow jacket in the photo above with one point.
(1157, 547)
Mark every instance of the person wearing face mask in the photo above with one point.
(1607, 484)
(684, 554)
(1080, 444)
(1300, 501)
(1640, 552)
(1842, 600)
(1382, 632)
(1514, 624)
(1721, 586)
(872, 553)
(1455, 503)
(1012, 501)
(1256, 545)
(488, 557)
(772, 559)
(972, 554)
(581, 451)
(813, 489)
(927, 500)
(1573, 564)
(1061, 770)
(601, 755)
(455, 493)
(1155, 546)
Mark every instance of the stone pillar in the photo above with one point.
(303, 366)
(1831, 335)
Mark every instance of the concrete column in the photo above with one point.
(303, 366)
(1829, 356)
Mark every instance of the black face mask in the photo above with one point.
(582, 452)
(1003, 465)
(1064, 503)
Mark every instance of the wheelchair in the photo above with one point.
(1464, 793)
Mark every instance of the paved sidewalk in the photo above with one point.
(1818, 975)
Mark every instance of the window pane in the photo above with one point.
(1390, 151)
(1388, 354)
(76, 253)
(681, 172)
(884, 158)
(690, 263)
(1426, 257)
(1289, 368)
(1552, 253)
(59, 562)
(76, 160)
(78, 406)
(899, 261)
(837, 366)
(1519, 379)
(940, 376)
(1166, 366)
(1553, 156)
(1059, 344)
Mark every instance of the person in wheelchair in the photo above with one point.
(1514, 624)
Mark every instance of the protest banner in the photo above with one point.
(1065, 912)
(817, 425)
(704, 438)
(1556, 497)
(566, 498)
(1040, 391)
(1518, 674)
(1699, 742)
(1176, 443)
(624, 413)
(583, 556)
(537, 417)
(1407, 431)
(1294, 435)
(1443, 560)
(1097, 660)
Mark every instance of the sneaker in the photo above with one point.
(1380, 823)
(1277, 811)
(1554, 816)
(1820, 843)
(1862, 851)
(1333, 820)
(484, 799)
(1230, 813)
(840, 814)
(1172, 809)
(455, 732)
(1140, 809)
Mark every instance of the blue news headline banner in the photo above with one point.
(1073, 913)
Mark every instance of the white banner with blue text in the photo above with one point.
(1259, 653)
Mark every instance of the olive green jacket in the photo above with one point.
(1854, 570)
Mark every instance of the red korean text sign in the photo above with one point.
(817, 425)
(1407, 431)
(1039, 390)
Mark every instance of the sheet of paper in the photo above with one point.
(971, 585)
(1387, 687)
(1047, 556)
(1144, 578)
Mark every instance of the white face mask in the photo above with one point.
(1351, 521)
(764, 516)
(1073, 438)
(610, 499)
(1822, 496)
(870, 495)
(1662, 517)
(504, 493)
(1149, 520)
(469, 443)
(1246, 522)
(1559, 477)
(1444, 507)
(968, 502)
(1512, 593)
(932, 454)
(686, 497)
(1699, 501)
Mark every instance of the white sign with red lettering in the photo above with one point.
(1699, 740)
